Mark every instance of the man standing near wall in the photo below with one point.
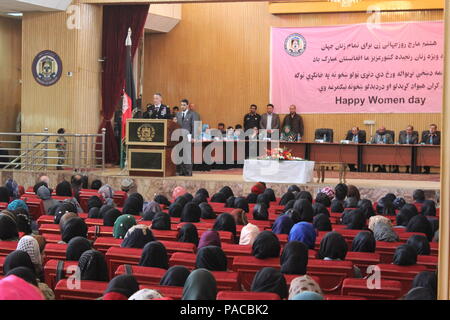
(270, 121)
(252, 119)
(294, 121)
(185, 118)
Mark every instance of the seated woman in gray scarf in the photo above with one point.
(382, 229)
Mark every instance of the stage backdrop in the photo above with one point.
(383, 68)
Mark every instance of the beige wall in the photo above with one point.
(218, 57)
(73, 102)
(10, 66)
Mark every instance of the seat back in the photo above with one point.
(387, 290)
(244, 295)
(363, 259)
(183, 259)
(55, 251)
(404, 274)
(6, 247)
(331, 273)
(430, 262)
(51, 270)
(248, 266)
(87, 290)
(116, 256)
(143, 275)
(319, 133)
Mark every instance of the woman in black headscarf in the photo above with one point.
(203, 192)
(289, 205)
(305, 210)
(76, 247)
(405, 255)
(188, 196)
(294, 215)
(175, 210)
(8, 228)
(230, 202)
(154, 255)
(219, 197)
(191, 213)
(260, 211)
(336, 206)
(282, 225)
(420, 293)
(241, 203)
(133, 204)
(304, 195)
(123, 284)
(294, 258)
(188, 233)
(94, 213)
(252, 197)
(270, 194)
(94, 202)
(366, 206)
(198, 199)
(270, 280)
(92, 266)
(323, 199)
(137, 237)
(225, 222)
(175, 276)
(207, 211)
(110, 217)
(322, 222)
(161, 221)
(200, 285)
(62, 209)
(266, 245)
(420, 243)
(211, 258)
(25, 274)
(364, 242)
(226, 190)
(356, 220)
(351, 202)
(16, 259)
(293, 188)
(332, 247)
(4, 195)
(420, 223)
(263, 198)
(161, 199)
(428, 208)
(426, 279)
(181, 201)
(404, 216)
(64, 189)
(385, 207)
(286, 197)
(319, 208)
(75, 227)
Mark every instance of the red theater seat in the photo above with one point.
(49, 228)
(363, 259)
(166, 291)
(331, 273)
(404, 274)
(431, 262)
(386, 250)
(116, 256)
(144, 275)
(102, 244)
(283, 238)
(55, 251)
(248, 266)
(388, 290)
(245, 295)
(183, 259)
(165, 235)
(87, 290)
(120, 197)
(52, 237)
(50, 270)
(6, 247)
(35, 207)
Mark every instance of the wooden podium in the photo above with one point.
(150, 148)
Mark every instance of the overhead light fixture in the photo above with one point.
(345, 3)
(14, 14)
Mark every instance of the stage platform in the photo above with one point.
(371, 185)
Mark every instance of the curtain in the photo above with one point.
(116, 21)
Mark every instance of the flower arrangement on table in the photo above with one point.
(279, 154)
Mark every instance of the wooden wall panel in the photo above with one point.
(74, 101)
(218, 57)
(10, 66)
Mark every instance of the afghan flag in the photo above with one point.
(129, 91)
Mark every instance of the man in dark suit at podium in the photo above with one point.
(185, 118)
(157, 110)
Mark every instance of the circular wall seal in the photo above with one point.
(46, 68)
(295, 44)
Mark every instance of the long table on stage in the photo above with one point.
(415, 156)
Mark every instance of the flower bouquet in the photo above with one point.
(279, 154)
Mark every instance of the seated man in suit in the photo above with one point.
(356, 136)
(432, 136)
(382, 137)
(407, 136)
(270, 121)
(185, 118)
(157, 110)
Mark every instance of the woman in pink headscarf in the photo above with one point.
(15, 288)
(178, 191)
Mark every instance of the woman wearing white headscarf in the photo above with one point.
(248, 234)
(31, 246)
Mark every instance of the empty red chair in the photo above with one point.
(227, 280)
(51, 270)
(245, 295)
(55, 251)
(87, 290)
(116, 256)
(404, 274)
(248, 266)
(331, 273)
(388, 290)
(6, 247)
(144, 275)
(431, 262)
(183, 259)
(35, 207)
(363, 259)
(166, 291)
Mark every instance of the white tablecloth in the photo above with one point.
(279, 171)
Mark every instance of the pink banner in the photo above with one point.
(367, 68)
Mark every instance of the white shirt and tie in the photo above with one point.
(269, 121)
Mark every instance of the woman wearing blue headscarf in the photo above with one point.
(303, 232)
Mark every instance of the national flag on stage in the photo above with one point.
(129, 94)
